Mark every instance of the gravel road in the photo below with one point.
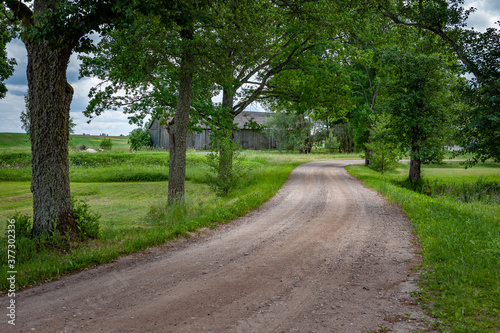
(324, 255)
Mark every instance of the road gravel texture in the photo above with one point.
(324, 255)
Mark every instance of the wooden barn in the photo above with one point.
(248, 138)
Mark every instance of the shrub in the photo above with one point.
(140, 138)
(22, 223)
(87, 220)
(226, 166)
(106, 144)
(383, 153)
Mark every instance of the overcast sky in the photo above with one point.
(115, 122)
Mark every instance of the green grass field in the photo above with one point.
(19, 142)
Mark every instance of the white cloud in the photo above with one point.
(10, 110)
(110, 122)
(486, 15)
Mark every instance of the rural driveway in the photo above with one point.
(324, 255)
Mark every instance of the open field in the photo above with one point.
(19, 142)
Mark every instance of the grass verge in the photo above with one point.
(461, 249)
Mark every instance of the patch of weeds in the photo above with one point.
(481, 190)
(86, 220)
(381, 329)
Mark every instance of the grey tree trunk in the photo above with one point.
(226, 157)
(50, 98)
(178, 131)
(415, 164)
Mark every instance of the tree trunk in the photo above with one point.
(50, 99)
(415, 164)
(415, 161)
(178, 131)
(226, 157)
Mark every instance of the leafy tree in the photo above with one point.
(479, 52)
(155, 61)
(332, 144)
(51, 31)
(140, 138)
(106, 144)
(418, 99)
(292, 132)
(253, 41)
(382, 148)
(364, 46)
(314, 90)
(225, 176)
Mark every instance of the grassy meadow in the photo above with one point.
(455, 211)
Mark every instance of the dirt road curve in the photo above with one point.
(324, 255)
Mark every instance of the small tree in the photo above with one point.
(106, 144)
(384, 153)
(140, 138)
(332, 144)
(225, 175)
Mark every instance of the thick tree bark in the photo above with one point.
(50, 98)
(178, 131)
(415, 164)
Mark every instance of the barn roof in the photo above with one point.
(259, 117)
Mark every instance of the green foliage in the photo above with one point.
(106, 144)
(23, 225)
(140, 138)
(6, 64)
(26, 118)
(87, 220)
(332, 144)
(478, 53)
(383, 153)
(481, 190)
(345, 137)
(226, 165)
(419, 100)
(292, 132)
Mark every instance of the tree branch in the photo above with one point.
(21, 11)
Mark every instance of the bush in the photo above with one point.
(226, 166)
(87, 221)
(140, 138)
(23, 225)
(106, 144)
(383, 153)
